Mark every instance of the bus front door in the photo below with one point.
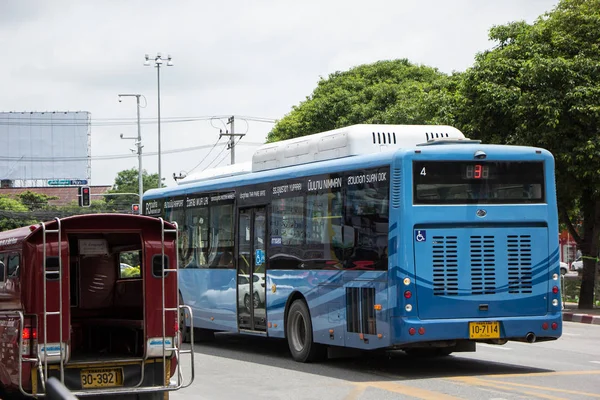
(251, 263)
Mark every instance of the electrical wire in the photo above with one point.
(112, 156)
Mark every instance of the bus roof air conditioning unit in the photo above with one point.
(348, 141)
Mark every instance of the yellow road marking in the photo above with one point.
(402, 389)
(534, 374)
(484, 383)
(356, 392)
(550, 389)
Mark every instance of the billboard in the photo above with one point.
(45, 146)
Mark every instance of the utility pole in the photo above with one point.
(138, 144)
(232, 135)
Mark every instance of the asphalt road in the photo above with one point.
(235, 367)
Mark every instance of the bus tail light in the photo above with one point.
(555, 289)
(412, 331)
(28, 339)
(407, 294)
(545, 326)
(421, 331)
(554, 326)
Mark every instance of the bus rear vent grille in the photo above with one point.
(445, 265)
(396, 191)
(360, 310)
(483, 265)
(519, 263)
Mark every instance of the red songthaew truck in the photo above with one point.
(92, 300)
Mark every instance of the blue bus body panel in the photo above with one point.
(211, 293)
(473, 272)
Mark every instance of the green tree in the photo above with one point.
(540, 86)
(13, 214)
(385, 92)
(35, 201)
(127, 182)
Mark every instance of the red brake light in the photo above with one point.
(26, 333)
(421, 331)
(554, 325)
(545, 326)
(407, 294)
(555, 289)
(412, 331)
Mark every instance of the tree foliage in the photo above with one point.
(386, 92)
(8, 208)
(127, 181)
(540, 86)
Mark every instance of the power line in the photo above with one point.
(102, 122)
(111, 156)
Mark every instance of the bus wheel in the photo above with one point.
(429, 352)
(300, 334)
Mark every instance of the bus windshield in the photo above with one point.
(480, 182)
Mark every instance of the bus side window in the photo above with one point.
(2, 269)
(13, 266)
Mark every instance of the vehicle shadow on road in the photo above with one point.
(357, 366)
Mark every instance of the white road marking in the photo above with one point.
(571, 334)
(595, 362)
(494, 346)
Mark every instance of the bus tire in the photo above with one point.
(299, 334)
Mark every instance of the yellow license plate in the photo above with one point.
(101, 377)
(484, 330)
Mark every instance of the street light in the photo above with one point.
(138, 143)
(157, 63)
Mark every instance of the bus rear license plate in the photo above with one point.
(484, 330)
(101, 377)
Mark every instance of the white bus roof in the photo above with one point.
(343, 142)
(348, 141)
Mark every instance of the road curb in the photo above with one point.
(583, 318)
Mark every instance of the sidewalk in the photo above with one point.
(588, 316)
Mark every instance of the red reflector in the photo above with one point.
(34, 333)
(407, 294)
(555, 289)
(421, 331)
(554, 326)
(412, 331)
(26, 333)
(545, 326)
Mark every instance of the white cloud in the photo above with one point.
(238, 57)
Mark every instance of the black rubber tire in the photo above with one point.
(299, 334)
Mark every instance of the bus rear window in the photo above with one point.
(476, 182)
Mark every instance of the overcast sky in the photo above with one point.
(243, 58)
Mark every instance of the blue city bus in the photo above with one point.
(372, 237)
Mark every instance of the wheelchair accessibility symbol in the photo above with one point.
(420, 236)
